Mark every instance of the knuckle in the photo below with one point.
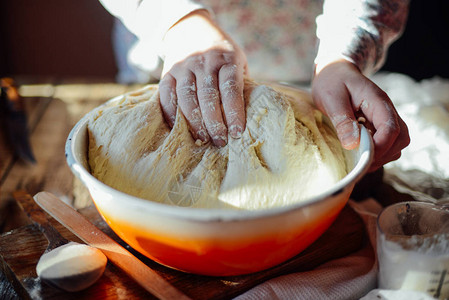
(405, 141)
(217, 130)
(193, 59)
(187, 94)
(231, 85)
(341, 122)
(167, 83)
(208, 94)
(209, 106)
(167, 79)
(194, 118)
(229, 57)
(392, 128)
(186, 87)
(229, 88)
(209, 81)
(198, 63)
(208, 62)
(229, 70)
(177, 68)
(235, 117)
(195, 121)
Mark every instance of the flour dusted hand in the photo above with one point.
(344, 94)
(203, 75)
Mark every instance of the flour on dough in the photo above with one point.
(286, 154)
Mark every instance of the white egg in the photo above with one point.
(71, 267)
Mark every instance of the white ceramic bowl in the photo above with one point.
(212, 241)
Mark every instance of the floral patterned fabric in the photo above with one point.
(278, 36)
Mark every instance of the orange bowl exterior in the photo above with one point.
(208, 257)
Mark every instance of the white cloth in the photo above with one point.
(423, 169)
(350, 277)
(396, 295)
(148, 21)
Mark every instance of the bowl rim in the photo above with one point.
(214, 214)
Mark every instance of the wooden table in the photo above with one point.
(52, 111)
(50, 120)
(52, 108)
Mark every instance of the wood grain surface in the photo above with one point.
(52, 110)
(52, 107)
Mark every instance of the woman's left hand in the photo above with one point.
(344, 94)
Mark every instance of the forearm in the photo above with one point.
(150, 19)
(195, 33)
(202, 77)
(359, 31)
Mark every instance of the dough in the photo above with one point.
(286, 154)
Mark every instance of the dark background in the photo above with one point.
(423, 50)
(71, 38)
(56, 38)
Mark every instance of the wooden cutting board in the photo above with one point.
(21, 248)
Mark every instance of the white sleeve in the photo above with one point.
(360, 31)
(150, 19)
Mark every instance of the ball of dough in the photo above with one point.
(286, 154)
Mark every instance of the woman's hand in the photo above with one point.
(344, 94)
(203, 75)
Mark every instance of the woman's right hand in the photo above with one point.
(203, 75)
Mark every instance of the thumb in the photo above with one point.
(335, 103)
(347, 130)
